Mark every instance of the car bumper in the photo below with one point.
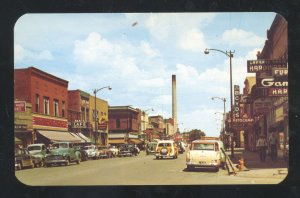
(204, 165)
(164, 156)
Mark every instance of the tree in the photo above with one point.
(196, 134)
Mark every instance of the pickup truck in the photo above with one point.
(62, 153)
(38, 151)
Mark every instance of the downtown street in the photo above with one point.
(146, 170)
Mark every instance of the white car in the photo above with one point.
(205, 153)
(114, 150)
(92, 151)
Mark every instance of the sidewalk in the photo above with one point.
(256, 168)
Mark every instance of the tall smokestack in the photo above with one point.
(174, 103)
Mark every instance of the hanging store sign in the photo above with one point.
(272, 82)
(278, 92)
(237, 101)
(280, 72)
(241, 120)
(79, 124)
(102, 125)
(19, 106)
(254, 66)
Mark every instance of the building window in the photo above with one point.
(63, 109)
(37, 102)
(46, 106)
(56, 108)
(118, 123)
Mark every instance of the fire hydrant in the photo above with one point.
(241, 164)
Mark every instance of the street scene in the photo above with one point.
(151, 99)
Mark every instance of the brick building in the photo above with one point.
(48, 96)
(123, 124)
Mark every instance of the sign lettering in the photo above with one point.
(254, 66)
(278, 92)
(20, 106)
(236, 101)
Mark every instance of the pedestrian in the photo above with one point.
(262, 146)
(273, 146)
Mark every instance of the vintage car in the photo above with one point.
(127, 150)
(38, 151)
(166, 149)
(23, 159)
(180, 147)
(105, 152)
(83, 153)
(150, 148)
(206, 154)
(62, 153)
(92, 151)
(114, 150)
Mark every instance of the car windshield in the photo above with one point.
(88, 147)
(203, 146)
(60, 145)
(164, 144)
(34, 148)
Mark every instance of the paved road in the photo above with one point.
(138, 170)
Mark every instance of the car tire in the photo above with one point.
(157, 157)
(78, 161)
(217, 169)
(189, 167)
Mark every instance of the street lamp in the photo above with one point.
(224, 101)
(95, 113)
(230, 55)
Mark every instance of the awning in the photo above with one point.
(86, 139)
(135, 141)
(60, 136)
(116, 141)
(18, 141)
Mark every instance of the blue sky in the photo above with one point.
(137, 61)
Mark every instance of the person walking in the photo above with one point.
(273, 146)
(262, 146)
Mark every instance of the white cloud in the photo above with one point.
(162, 99)
(22, 54)
(193, 40)
(146, 48)
(242, 38)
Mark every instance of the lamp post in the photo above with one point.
(95, 112)
(224, 102)
(230, 55)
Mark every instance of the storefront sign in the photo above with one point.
(280, 72)
(241, 120)
(272, 82)
(21, 126)
(236, 101)
(79, 124)
(20, 106)
(278, 92)
(254, 66)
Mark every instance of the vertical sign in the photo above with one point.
(236, 101)
(19, 106)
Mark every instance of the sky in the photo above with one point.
(137, 54)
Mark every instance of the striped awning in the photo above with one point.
(134, 141)
(60, 136)
(86, 139)
(116, 141)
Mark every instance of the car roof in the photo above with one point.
(166, 141)
(41, 144)
(208, 141)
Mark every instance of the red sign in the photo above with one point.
(20, 106)
(49, 122)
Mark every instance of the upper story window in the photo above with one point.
(118, 123)
(63, 109)
(46, 106)
(37, 102)
(56, 108)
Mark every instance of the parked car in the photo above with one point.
(180, 147)
(92, 151)
(38, 151)
(23, 159)
(166, 149)
(105, 152)
(83, 153)
(62, 153)
(150, 148)
(114, 150)
(127, 150)
(206, 153)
